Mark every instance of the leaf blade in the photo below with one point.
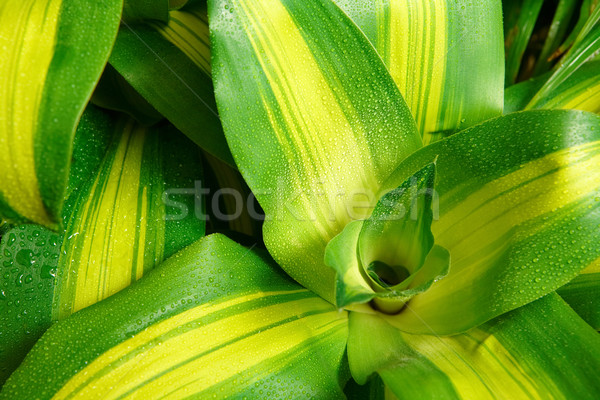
(46, 85)
(263, 307)
(430, 47)
(313, 126)
(542, 350)
(178, 85)
(516, 232)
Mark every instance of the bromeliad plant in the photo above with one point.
(438, 248)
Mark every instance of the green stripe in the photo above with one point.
(473, 33)
(198, 323)
(311, 383)
(221, 346)
(68, 88)
(146, 234)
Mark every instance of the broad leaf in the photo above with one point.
(215, 320)
(53, 54)
(431, 49)
(542, 350)
(518, 212)
(312, 117)
(115, 93)
(169, 65)
(119, 222)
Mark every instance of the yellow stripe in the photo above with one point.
(139, 268)
(489, 362)
(555, 180)
(593, 268)
(193, 375)
(587, 98)
(417, 57)
(27, 36)
(98, 257)
(315, 132)
(194, 45)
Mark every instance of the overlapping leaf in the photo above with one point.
(215, 320)
(312, 117)
(581, 91)
(431, 49)
(122, 217)
(583, 50)
(169, 65)
(519, 214)
(53, 54)
(542, 350)
(583, 294)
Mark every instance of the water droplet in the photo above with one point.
(25, 257)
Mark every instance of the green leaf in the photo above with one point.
(520, 20)
(136, 10)
(583, 294)
(54, 53)
(28, 257)
(398, 231)
(518, 214)
(557, 32)
(312, 118)
(215, 320)
(542, 350)
(587, 6)
(431, 49)
(123, 218)
(585, 47)
(342, 256)
(169, 65)
(115, 93)
(581, 91)
(390, 257)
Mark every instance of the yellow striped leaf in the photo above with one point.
(580, 91)
(119, 223)
(518, 212)
(584, 49)
(446, 56)
(540, 351)
(311, 116)
(214, 320)
(168, 64)
(45, 83)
